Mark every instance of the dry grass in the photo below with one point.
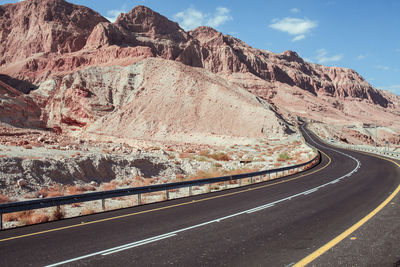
(87, 211)
(180, 177)
(53, 191)
(39, 217)
(109, 186)
(4, 199)
(27, 217)
(204, 153)
(184, 155)
(217, 173)
(57, 214)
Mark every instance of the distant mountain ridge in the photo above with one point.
(55, 28)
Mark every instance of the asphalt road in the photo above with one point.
(276, 223)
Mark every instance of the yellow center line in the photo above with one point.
(168, 207)
(311, 257)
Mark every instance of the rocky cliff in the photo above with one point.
(56, 27)
(66, 50)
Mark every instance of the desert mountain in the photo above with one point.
(87, 70)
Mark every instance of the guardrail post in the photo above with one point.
(240, 182)
(58, 209)
(167, 194)
(103, 204)
(251, 179)
(226, 184)
(209, 188)
(190, 191)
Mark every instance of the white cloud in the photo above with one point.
(220, 17)
(323, 58)
(308, 59)
(192, 18)
(113, 14)
(298, 37)
(294, 26)
(295, 10)
(382, 67)
(360, 57)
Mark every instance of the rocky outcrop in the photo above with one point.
(156, 99)
(17, 109)
(44, 26)
(144, 27)
(67, 48)
(224, 53)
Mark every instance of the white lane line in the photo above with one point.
(260, 208)
(249, 211)
(310, 191)
(138, 244)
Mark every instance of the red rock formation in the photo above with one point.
(44, 26)
(224, 53)
(17, 109)
(51, 40)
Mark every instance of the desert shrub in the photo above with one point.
(218, 165)
(217, 173)
(57, 213)
(284, 156)
(75, 190)
(184, 155)
(27, 217)
(38, 217)
(201, 158)
(221, 156)
(204, 153)
(180, 176)
(109, 186)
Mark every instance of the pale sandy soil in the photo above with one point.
(49, 165)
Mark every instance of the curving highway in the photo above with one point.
(291, 221)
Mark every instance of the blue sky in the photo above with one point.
(362, 35)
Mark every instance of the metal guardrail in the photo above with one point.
(387, 153)
(383, 152)
(103, 195)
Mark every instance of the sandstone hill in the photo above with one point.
(87, 74)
